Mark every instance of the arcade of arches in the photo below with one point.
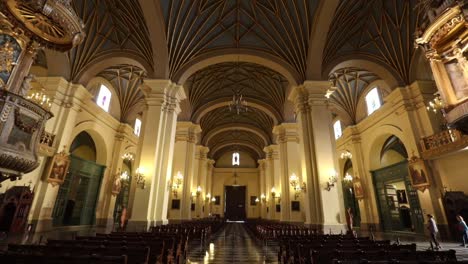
(324, 101)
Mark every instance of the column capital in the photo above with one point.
(262, 164)
(187, 131)
(309, 93)
(271, 152)
(211, 162)
(164, 93)
(201, 152)
(286, 132)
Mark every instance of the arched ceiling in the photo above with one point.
(278, 28)
(126, 81)
(253, 129)
(113, 28)
(350, 83)
(378, 30)
(253, 81)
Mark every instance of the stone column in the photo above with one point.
(262, 184)
(209, 185)
(201, 157)
(318, 149)
(271, 181)
(288, 140)
(67, 101)
(186, 138)
(156, 149)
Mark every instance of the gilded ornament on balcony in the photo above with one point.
(6, 57)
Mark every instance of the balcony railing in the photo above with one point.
(442, 143)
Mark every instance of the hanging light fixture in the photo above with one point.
(238, 104)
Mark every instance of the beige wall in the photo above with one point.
(453, 171)
(248, 177)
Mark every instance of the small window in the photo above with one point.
(373, 101)
(235, 159)
(137, 127)
(337, 129)
(104, 97)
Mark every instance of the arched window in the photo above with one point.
(104, 97)
(235, 159)
(373, 100)
(337, 129)
(137, 127)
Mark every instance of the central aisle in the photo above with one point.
(233, 244)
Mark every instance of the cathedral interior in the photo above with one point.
(226, 131)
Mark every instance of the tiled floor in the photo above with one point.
(233, 244)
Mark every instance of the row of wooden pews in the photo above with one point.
(299, 244)
(162, 244)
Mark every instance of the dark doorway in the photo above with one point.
(235, 203)
(7, 217)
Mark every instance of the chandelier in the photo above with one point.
(40, 98)
(238, 104)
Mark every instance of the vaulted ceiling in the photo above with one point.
(165, 38)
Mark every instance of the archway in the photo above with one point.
(397, 201)
(77, 197)
(349, 197)
(121, 201)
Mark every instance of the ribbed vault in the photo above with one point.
(126, 81)
(275, 27)
(113, 27)
(379, 30)
(253, 81)
(350, 83)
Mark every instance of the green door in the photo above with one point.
(77, 196)
(389, 182)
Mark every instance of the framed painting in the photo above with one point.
(252, 200)
(175, 204)
(401, 196)
(58, 168)
(418, 173)
(358, 191)
(295, 206)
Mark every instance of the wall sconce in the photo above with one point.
(263, 198)
(193, 196)
(178, 179)
(208, 197)
(199, 190)
(213, 200)
(346, 155)
(140, 177)
(348, 178)
(294, 181)
(257, 200)
(275, 195)
(331, 181)
(128, 156)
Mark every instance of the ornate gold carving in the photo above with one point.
(442, 143)
(6, 57)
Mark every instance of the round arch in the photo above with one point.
(244, 55)
(107, 60)
(380, 135)
(224, 102)
(101, 145)
(368, 64)
(240, 143)
(235, 126)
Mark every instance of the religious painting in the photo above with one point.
(418, 173)
(218, 200)
(192, 207)
(295, 206)
(401, 196)
(278, 208)
(116, 185)
(358, 191)
(58, 168)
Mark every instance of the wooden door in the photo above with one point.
(235, 203)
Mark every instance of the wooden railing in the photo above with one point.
(442, 143)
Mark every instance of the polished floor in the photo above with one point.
(233, 244)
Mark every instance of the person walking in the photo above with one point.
(463, 228)
(433, 230)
